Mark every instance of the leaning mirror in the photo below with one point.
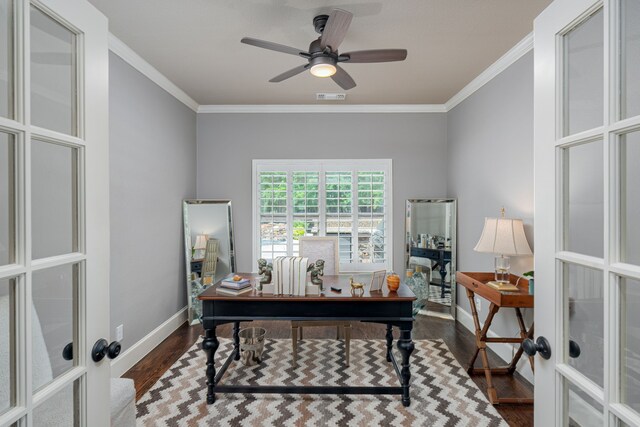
(209, 247)
(430, 233)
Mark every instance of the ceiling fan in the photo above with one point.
(323, 56)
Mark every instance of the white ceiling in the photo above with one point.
(196, 44)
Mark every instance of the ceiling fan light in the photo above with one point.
(323, 70)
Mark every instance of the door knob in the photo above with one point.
(67, 352)
(102, 348)
(574, 349)
(540, 346)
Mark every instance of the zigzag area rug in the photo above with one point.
(441, 392)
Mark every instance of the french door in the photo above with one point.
(54, 213)
(587, 205)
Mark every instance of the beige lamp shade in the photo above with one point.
(504, 236)
(201, 242)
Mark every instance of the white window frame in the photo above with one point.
(321, 166)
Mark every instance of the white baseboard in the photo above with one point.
(136, 352)
(504, 350)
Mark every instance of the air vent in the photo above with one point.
(331, 96)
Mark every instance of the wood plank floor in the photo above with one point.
(459, 340)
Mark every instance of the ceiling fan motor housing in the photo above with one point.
(319, 22)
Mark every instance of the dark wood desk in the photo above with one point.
(441, 257)
(390, 308)
(476, 284)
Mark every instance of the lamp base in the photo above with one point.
(502, 267)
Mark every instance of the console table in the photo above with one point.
(442, 257)
(389, 308)
(476, 284)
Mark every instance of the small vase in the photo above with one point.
(531, 286)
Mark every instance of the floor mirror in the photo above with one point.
(209, 247)
(430, 251)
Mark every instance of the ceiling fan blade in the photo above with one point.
(273, 46)
(292, 72)
(375, 55)
(335, 29)
(343, 79)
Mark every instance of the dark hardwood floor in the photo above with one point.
(459, 340)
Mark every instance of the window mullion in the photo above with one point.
(355, 255)
(322, 206)
(289, 212)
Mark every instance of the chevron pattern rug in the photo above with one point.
(441, 392)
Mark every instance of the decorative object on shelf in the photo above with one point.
(529, 276)
(377, 279)
(200, 246)
(504, 237)
(317, 271)
(264, 269)
(393, 282)
(356, 287)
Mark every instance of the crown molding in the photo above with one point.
(506, 60)
(118, 47)
(318, 108)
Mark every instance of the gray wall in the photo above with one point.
(227, 143)
(490, 151)
(152, 169)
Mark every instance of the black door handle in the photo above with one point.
(102, 348)
(67, 352)
(574, 349)
(540, 346)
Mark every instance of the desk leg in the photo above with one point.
(210, 344)
(236, 340)
(406, 346)
(524, 335)
(443, 277)
(389, 337)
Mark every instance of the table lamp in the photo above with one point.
(200, 246)
(504, 237)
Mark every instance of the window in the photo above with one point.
(348, 199)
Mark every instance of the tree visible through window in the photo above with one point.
(325, 200)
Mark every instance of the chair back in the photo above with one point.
(210, 262)
(324, 248)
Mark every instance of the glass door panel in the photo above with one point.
(630, 343)
(54, 322)
(61, 409)
(584, 201)
(7, 199)
(583, 75)
(53, 74)
(585, 320)
(582, 410)
(7, 344)
(6, 58)
(630, 58)
(54, 199)
(630, 197)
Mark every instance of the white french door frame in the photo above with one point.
(90, 257)
(550, 199)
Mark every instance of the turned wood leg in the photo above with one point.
(210, 344)
(294, 343)
(347, 341)
(443, 276)
(236, 340)
(389, 337)
(301, 333)
(406, 346)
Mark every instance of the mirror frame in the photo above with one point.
(454, 248)
(186, 231)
